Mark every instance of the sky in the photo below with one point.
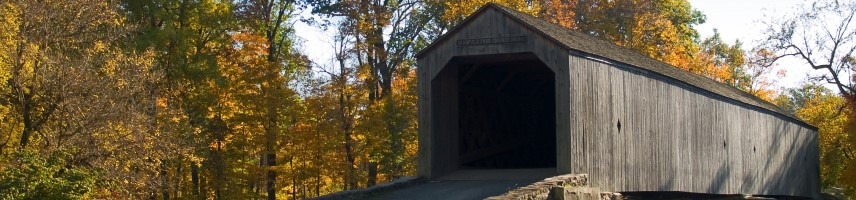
(316, 43)
(743, 22)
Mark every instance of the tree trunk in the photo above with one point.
(381, 64)
(194, 178)
(396, 148)
(350, 177)
(28, 126)
(261, 175)
(271, 176)
(178, 180)
(251, 181)
(293, 181)
(372, 179)
(218, 167)
(203, 188)
(386, 84)
(318, 178)
(164, 181)
(22, 97)
(273, 114)
(270, 147)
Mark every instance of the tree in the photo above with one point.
(821, 107)
(823, 35)
(561, 12)
(457, 11)
(200, 99)
(187, 37)
(727, 61)
(383, 54)
(71, 95)
(342, 87)
(227, 68)
(45, 177)
(384, 35)
(759, 63)
(8, 40)
(41, 49)
(660, 29)
(270, 17)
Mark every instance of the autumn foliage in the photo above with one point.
(204, 99)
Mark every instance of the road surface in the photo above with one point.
(469, 184)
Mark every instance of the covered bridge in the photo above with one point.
(506, 90)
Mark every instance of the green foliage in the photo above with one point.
(727, 57)
(797, 98)
(36, 176)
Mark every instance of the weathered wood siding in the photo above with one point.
(675, 137)
(437, 157)
(628, 128)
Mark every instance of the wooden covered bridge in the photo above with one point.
(505, 90)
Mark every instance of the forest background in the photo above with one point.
(212, 99)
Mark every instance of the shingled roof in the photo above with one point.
(593, 46)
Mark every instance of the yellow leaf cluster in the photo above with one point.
(9, 24)
(831, 115)
(456, 11)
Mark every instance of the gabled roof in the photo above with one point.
(592, 46)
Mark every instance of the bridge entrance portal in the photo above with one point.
(505, 109)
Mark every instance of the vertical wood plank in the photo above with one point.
(672, 137)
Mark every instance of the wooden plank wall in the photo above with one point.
(672, 137)
(433, 160)
(675, 137)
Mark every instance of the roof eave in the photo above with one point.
(458, 27)
(556, 41)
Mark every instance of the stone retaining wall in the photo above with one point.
(569, 186)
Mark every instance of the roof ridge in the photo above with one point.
(603, 49)
(757, 102)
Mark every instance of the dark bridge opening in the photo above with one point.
(507, 117)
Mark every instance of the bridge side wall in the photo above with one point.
(676, 137)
